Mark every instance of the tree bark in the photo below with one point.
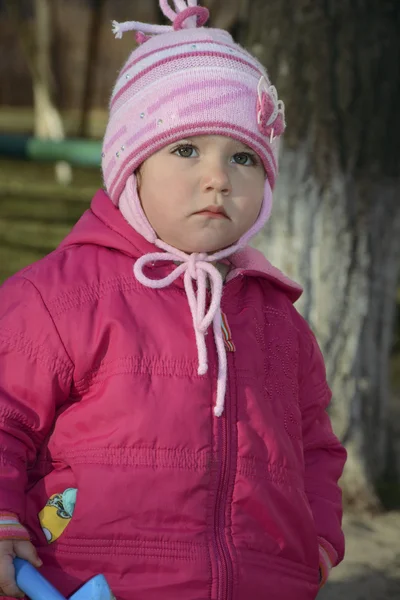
(48, 121)
(226, 15)
(93, 46)
(336, 221)
(37, 50)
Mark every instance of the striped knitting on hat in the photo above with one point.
(11, 528)
(187, 80)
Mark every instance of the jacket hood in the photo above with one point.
(103, 225)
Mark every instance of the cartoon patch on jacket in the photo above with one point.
(57, 514)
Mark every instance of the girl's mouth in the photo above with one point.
(213, 212)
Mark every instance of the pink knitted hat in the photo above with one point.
(187, 80)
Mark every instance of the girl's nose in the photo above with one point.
(217, 180)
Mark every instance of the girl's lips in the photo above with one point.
(212, 215)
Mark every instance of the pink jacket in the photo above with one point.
(99, 391)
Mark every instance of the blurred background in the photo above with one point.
(336, 220)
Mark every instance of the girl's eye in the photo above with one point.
(185, 151)
(245, 159)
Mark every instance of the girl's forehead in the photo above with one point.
(222, 141)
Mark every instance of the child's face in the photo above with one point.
(178, 183)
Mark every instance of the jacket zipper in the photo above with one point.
(225, 567)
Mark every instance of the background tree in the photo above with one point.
(36, 42)
(336, 220)
(92, 53)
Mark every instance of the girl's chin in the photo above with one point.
(208, 248)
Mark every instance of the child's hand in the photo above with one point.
(9, 549)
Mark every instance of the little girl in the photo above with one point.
(162, 403)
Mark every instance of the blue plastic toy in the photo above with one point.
(36, 587)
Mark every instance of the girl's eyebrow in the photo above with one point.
(236, 144)
(243, 145)
(181, 141)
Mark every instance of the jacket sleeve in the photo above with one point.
(35, 378)
(324, 456)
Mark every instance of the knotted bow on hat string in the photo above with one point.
(187, 16)
(195, 267)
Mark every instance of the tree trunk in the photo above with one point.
(48, 121)
(97, 7)
(226, 15)
(37, 50)
(336, 221)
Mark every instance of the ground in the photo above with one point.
(371, 569)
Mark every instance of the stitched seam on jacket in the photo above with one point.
(269, 310)
(189, 551)
(22, 345)
(95, 291)
(251, 466)
(51, 317)
(139, 457)
(137, 366)
(88, 293)
(7, 414)
(247, 303)
(9, 418)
